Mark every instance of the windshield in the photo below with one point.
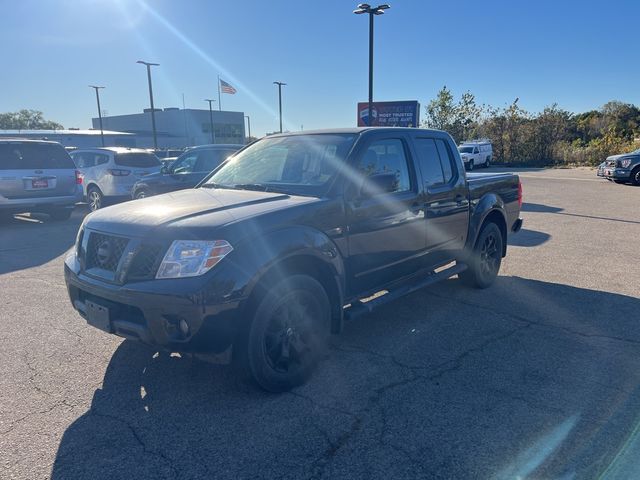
(465, 149)
(297, 163)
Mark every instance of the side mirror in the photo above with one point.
(164, 169)
(378, 184)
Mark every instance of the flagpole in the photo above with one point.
(219, 102)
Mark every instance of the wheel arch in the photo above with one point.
(489, 209)
(291, 251)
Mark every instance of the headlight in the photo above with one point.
(190, 258)
(624, 163)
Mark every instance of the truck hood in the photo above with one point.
(191, 208)
(616, 157)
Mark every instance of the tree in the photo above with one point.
(456, 118)
(26, 120)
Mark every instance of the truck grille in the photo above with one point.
(104, 251)
(146, 262)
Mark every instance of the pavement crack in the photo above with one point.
(138, 439)
(539, 323)
(457, 362)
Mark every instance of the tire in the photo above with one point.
(635, 177)
(95, 199)
(485, 259)
(470, 165)
(287, 336)
(60, 214)
(142, 193)
(486, 163)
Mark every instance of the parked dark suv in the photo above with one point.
(186, 171)
(37, 176)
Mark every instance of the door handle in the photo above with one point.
(460, 199)
(415, 208)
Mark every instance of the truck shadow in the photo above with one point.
(528, 238)
(164, 416)
(31, 240)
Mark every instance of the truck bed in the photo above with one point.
(504, 185)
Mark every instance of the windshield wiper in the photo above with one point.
(260, 187)
(216, 185)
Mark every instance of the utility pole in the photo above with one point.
(96, 88)
(379, 10)
(249, 124)
(280, 84)
(213, 137)
(153, 110)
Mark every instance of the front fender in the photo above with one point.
(489, 203)
(253, 257)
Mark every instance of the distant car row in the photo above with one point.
(43, 177)
(112, 174)
(623, 168)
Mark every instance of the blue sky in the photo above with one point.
(579, 54)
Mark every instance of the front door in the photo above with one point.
(386, 224)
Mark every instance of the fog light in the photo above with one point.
(184, 327)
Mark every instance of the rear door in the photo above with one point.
(386, 228)
(32, 170)
(446, 201)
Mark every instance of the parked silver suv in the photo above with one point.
(109, 173)
(37, 176)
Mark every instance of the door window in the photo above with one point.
(208, 160)
(186, 164)
(387, 156)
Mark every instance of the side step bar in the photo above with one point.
(359, 308)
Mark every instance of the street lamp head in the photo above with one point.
(384, 6)
(94, 86)
(364, 6)
(359, 12)
(279, 83)
(148, 64)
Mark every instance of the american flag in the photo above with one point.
(226, 88)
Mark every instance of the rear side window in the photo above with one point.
(429, 161)
(137, 160)
(445, 160)
(34, 156)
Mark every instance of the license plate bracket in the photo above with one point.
(98, 316)
(39, 183)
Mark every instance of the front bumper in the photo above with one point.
(152, 311)
(614, 173)
(25, 204)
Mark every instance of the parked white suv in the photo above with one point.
(476, 154)
(109, 173)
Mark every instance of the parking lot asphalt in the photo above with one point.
(535, 377)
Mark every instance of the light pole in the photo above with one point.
(249, 124)
(153, 110)
(280, 84)
(379, 10)
(96, 88)
(213, 137)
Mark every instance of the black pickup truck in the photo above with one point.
(277, 247)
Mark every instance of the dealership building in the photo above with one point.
(178, 128)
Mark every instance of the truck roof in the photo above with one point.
(355, 130)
